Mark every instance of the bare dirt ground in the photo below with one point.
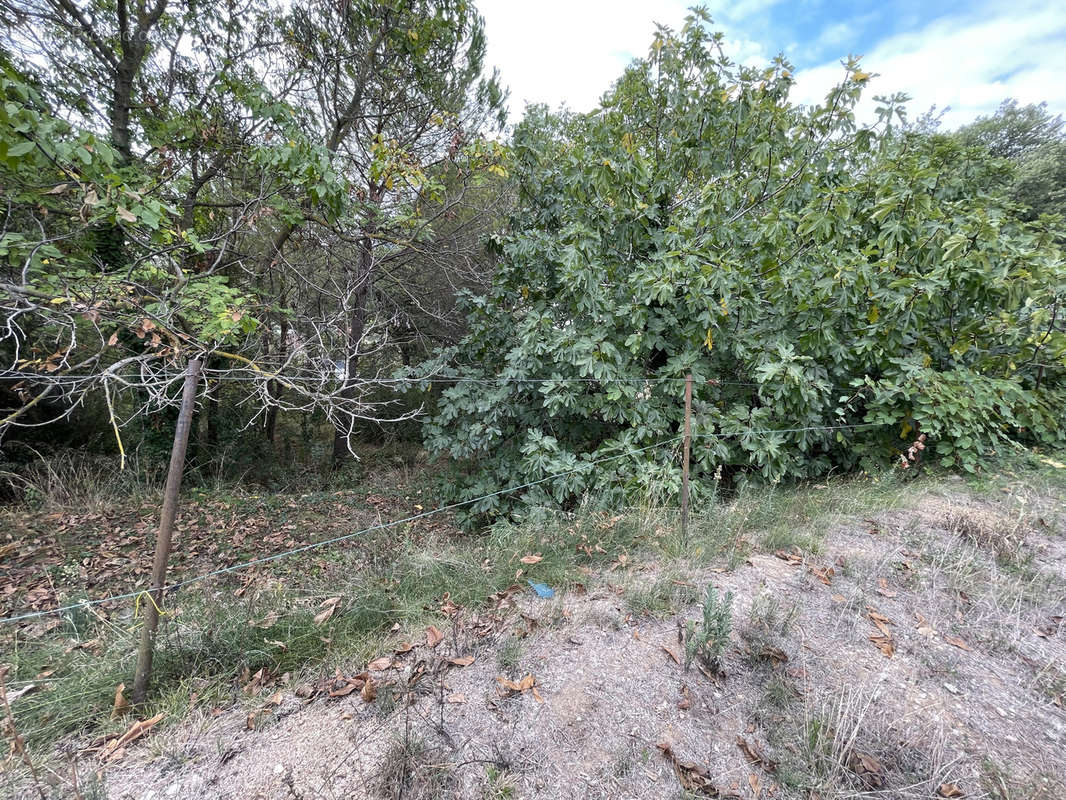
(920, 654)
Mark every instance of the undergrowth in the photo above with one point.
(389, 584)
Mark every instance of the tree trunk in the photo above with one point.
(154, 601)
(274, 388)
(356, 328)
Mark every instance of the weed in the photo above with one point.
(498, 784)
(509, 656)
(989, 529)
(411, 772)
(662, 596)
(767, 614)
(708, 638)
(1000, 784)
(779, 691)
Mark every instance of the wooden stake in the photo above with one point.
(684, 465)
(154, 602)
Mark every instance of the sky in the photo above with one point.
(965, 57)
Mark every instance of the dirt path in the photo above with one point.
(920, 654)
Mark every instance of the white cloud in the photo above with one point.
(970, 63)
(569, 52)
(556, 52)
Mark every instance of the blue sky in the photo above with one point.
(966, 56)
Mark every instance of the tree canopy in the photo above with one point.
(809, 272)
(270, 189)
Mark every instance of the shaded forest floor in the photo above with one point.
(888, 639)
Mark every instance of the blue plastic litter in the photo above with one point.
(542, 589)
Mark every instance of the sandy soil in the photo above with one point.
(904, 660)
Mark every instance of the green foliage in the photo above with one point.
(707, 639)
(807, 271)
(1034, 141)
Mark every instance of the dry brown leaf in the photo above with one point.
(329, 606)
(755, 784)
(404, 647)
(379, 664)
(671, 653)
(868, 768)
(457, 698)
(507, 684)
(882, 588)
(957, 642)
(535, 558)
(825, 575)
(884, 644)
(692, 777)
(369, 691)
(756, 756)
(121, 705)
(949, 790)
(685, 703)
(434, 636)
(268, 621)
(115, 748)
(462, 661)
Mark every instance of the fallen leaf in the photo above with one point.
(369, 691)
(868, 768)
(457, 697)
(671, 653)
(532, 559)
(824, 575)
(755, 784)
(274, 700)
(30, 688)
(379, 664)
(880, 620)
(434, 636)
(692, 777)
(685, 703)
(957, 642)
(524, 685)
(949, 790)
(884, 644)
(404, 647)
(462, 661)
(752, 752)
(115, 748)
(269, 620)
(328, 606)
(882, 588)
(121, 705)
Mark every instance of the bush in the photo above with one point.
(707, 639)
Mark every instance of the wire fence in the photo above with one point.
(137, 594)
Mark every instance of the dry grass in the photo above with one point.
(800, 678)
(989, 528)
